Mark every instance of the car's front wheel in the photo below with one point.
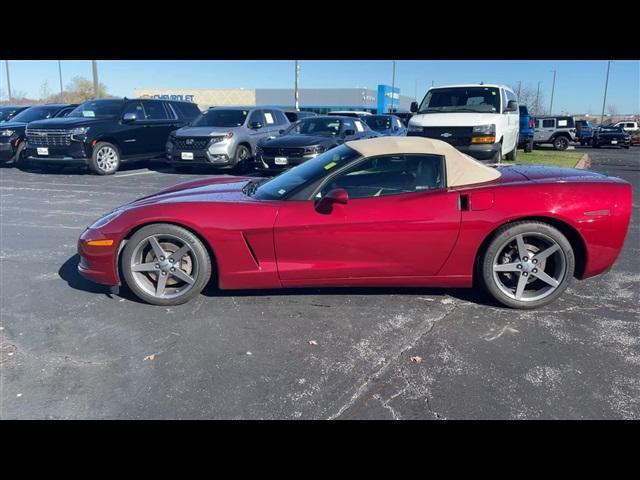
(105, 159)
(561, 143)
(527, 264)
(164, 264)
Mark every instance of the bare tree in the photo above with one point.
(528, 94)
(45, 93)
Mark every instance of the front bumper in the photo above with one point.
(77, 153)
(7, 150)
(220, 154)
(97, 264)
(609, 141)
(266, 163)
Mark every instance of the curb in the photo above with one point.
(584, 162)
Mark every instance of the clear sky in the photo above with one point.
(579, 84)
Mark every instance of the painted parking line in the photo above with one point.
(136, 173)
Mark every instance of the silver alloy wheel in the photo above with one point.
(244, 154)
(107, 159)
(164, 266)
(529, 267)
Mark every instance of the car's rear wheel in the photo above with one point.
(164, 264)
(561, 143)
(19, 160)
(527, 264)
(105, 159)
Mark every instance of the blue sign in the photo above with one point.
(388, 98)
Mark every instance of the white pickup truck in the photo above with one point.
(480, 120)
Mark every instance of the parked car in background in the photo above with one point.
(527, 125)
(584, 132)
(294, 115)
(387, 125)
(9, 111)
(306, 139)
(635, 137)
(350, 113)
(104, 133)
(12, 132)
(628, 126)
(224, 137)
(611, 135)
(558, 131)
(403, 116)
(479, 120)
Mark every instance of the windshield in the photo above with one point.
(282, 185)
(98, 109)
(378, 122)
(7, 113)
(461, 99)
(315, 126)
(221, 118)
(35, 113)
(611, 128)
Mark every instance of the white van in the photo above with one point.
(480, 120)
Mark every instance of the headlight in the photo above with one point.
(79, 130)
(217, 138)
(484, 129)
(414, 128)
(6, 133)
(102, 221)
(316, 149)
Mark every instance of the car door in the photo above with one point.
(399, 221)
(159, 122)
(255, 134)
(544, 129)
(131, 136)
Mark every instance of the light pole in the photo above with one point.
(519, 88)
(295, 92)
(95, 78)
(6, 62)
(60, 72)
(553, 87)
(393, 87)
(604, 101)
(538, 100)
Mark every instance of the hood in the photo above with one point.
(289, 141)
(544, 173)
(226, 189)
(12, 125)
(66, 122)
(204, 131)
(461, 119)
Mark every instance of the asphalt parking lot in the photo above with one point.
(71, 350)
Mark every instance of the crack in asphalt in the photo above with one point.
(364, 385)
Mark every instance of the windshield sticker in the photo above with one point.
(88, 113)
(562, 123)
(493, 93)
(282, 191)
(268, 117)
(330, 165)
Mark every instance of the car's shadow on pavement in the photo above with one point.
(69, 273)
(161, 166)
(76, 169)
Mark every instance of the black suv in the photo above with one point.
(295, 115)
(103, 133)
(7, 112)
(12, 132)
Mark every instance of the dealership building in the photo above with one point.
(319, 100)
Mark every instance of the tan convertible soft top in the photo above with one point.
(461, 168)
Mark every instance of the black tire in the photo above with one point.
(242, 160)
(497, 157)
(107, 165)
(18, 160)
(528, 146)
(513, 154)
(198, 258)
(561, 143)
(503, 238)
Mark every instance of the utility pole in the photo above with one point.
(604, 102)
(295, 91)
(393, 87)
(553, 87)
(415, 90)
(519, 88)
(6, 62)
(95, 78)
(60, 72)
(538, 100)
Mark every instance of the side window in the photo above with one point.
(155, 111)
(256, 116)
(390, 175)
(135, 107)
(360, 126)
(512, 97)
(281, 119)
(549, 123)
(64, 112)
(172, 112)
(504, 99)
(348, 124)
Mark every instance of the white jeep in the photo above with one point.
(480, 120)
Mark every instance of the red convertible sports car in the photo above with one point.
(389, 211)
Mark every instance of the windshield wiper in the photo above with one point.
(250, 188)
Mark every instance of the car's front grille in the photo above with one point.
(39, 137)
(196, 143)
(282, 152)
(456, 136)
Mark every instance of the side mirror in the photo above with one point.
(336, 196)
(414, 107)
(348, 133)
(255, 125)
(129, 117)
(512, 106)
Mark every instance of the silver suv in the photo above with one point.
(558, 131)
(224, 137)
